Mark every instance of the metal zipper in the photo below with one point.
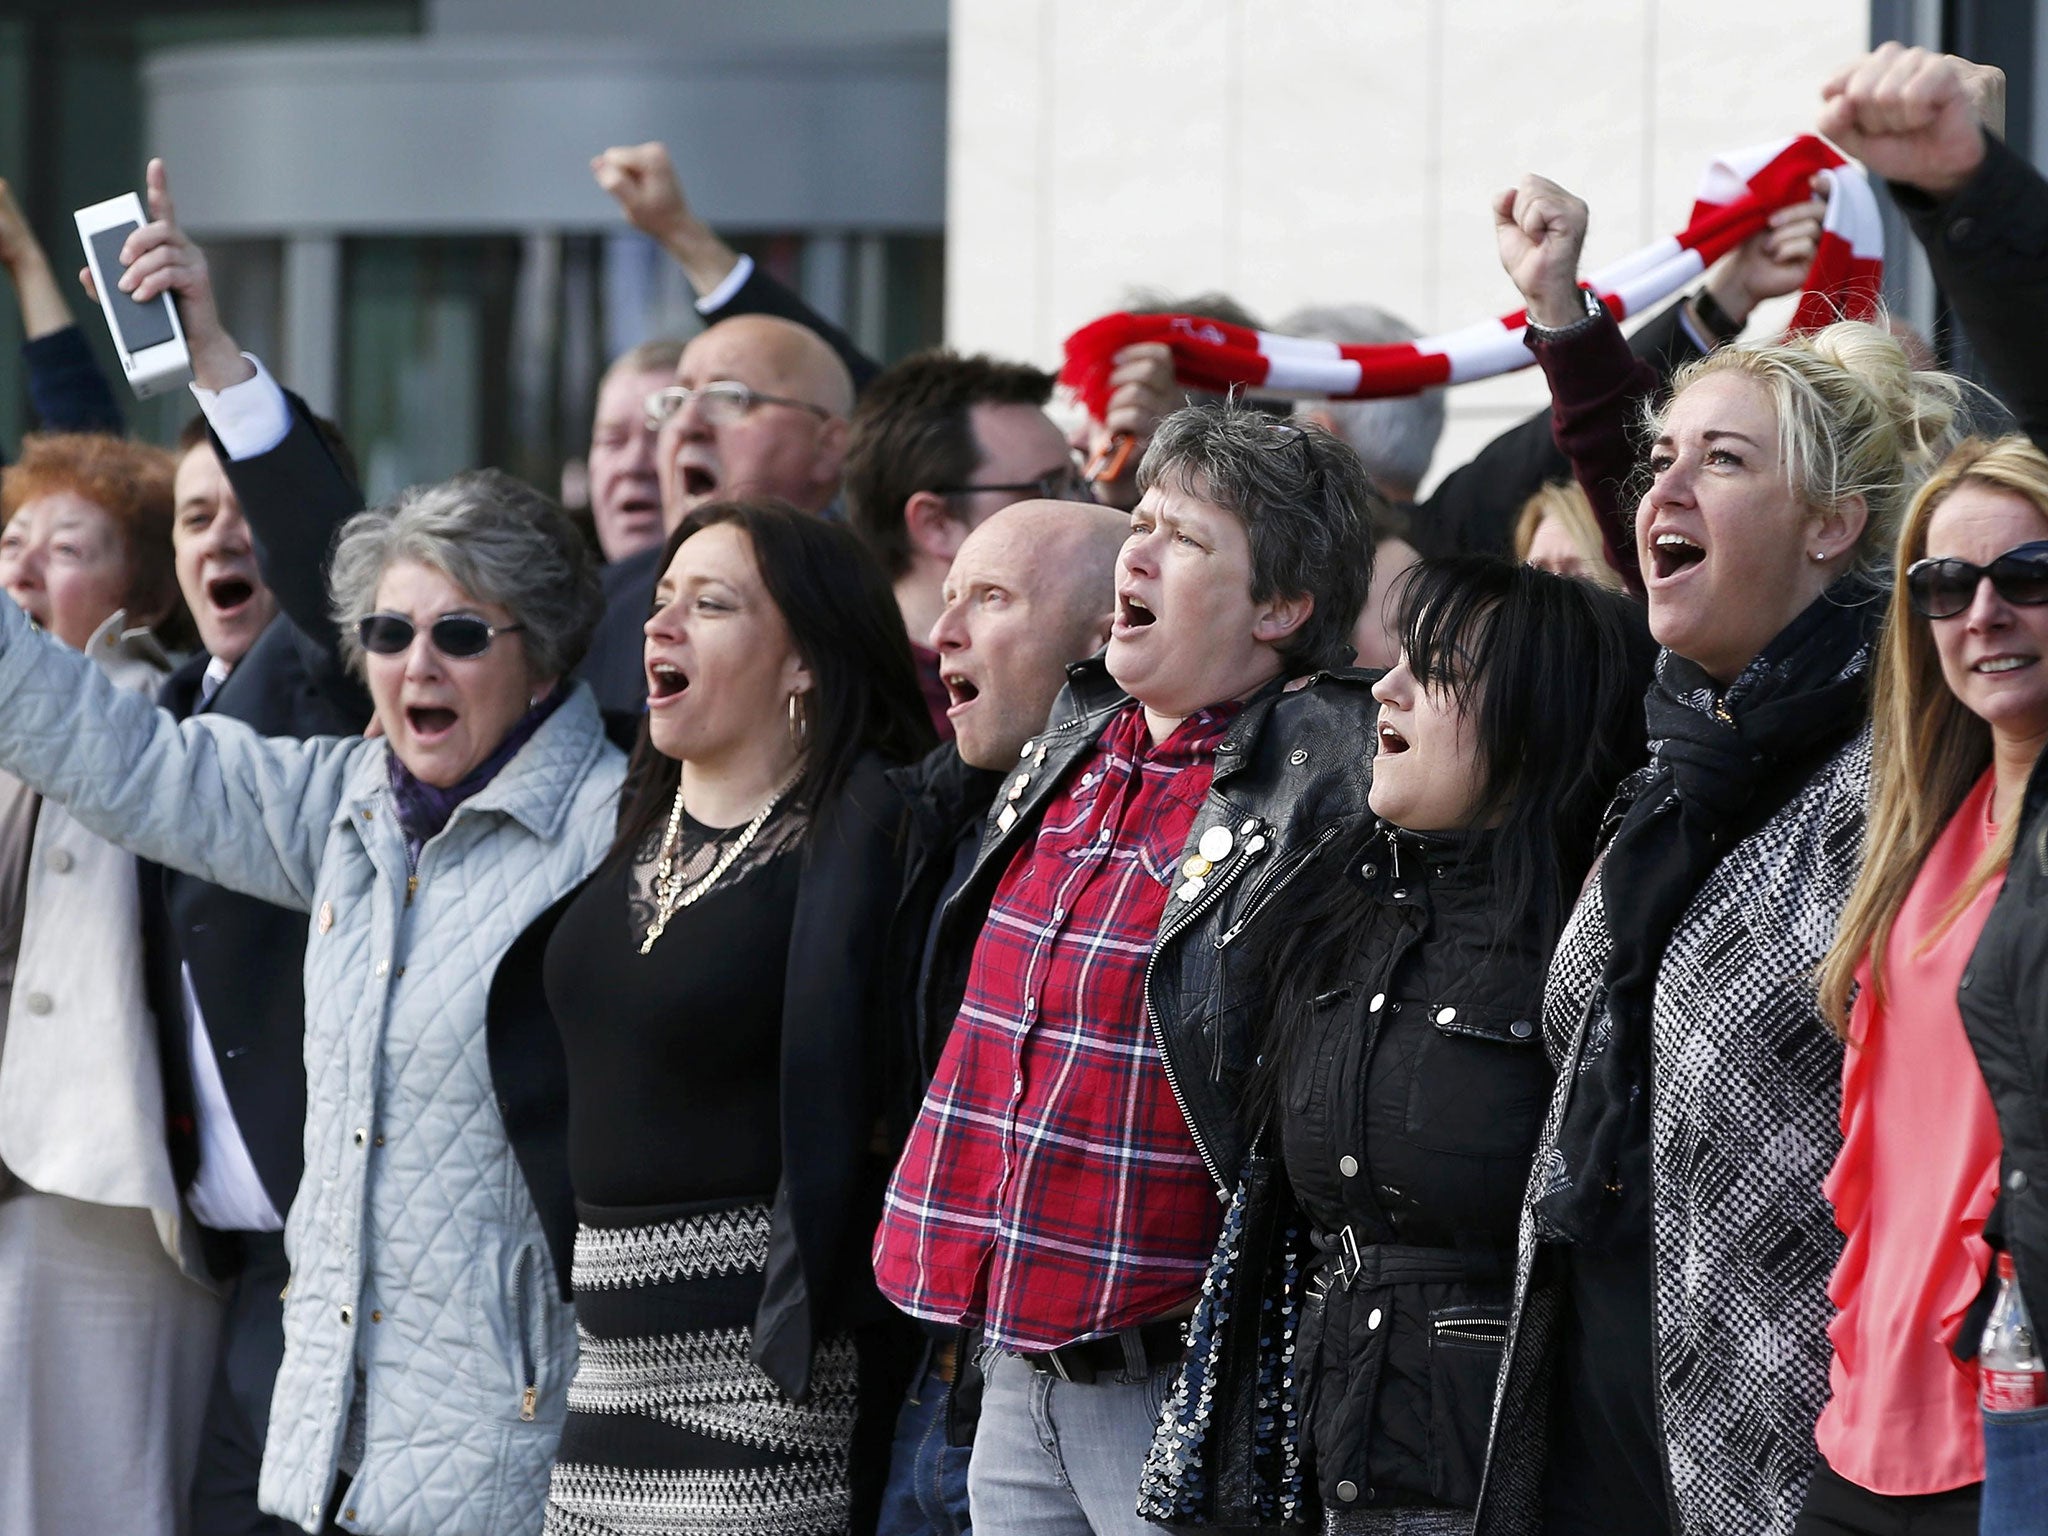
(1167, 935)
(1471, 1330)
(1257, 901)
(529, 1393)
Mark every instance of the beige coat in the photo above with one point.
(81, 1081)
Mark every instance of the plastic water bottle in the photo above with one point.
(2011, 1376)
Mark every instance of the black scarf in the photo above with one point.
(1721, 765)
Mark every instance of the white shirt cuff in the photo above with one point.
(249, 418)
(734, 280)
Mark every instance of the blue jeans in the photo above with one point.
(926, 1494)
(2015, 1473)
(1061, 1458)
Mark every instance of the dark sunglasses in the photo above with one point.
(459, 635)
(1941, 589)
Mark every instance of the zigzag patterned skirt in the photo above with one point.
(672, 1430)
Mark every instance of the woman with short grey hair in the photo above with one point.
(428, 1349)
(493, 537)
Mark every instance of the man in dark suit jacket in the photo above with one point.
(225, 969)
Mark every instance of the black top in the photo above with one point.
(1606, 1466)
(675, 1056)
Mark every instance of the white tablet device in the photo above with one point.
(149, 337)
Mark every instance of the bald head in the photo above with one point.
(1032, 589)
(792, 447)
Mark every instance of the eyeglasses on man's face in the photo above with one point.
(722, 402)
(1067, 483)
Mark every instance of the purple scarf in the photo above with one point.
(424, 809)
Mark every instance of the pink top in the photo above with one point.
(1917, 1176)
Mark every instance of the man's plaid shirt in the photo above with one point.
(1050, 1189)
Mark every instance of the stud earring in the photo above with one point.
(1819, 556)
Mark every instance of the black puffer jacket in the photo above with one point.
(1407, 1101)
(2004, 1002)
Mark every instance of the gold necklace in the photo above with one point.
(670, 895)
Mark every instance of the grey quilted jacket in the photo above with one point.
(1745, 1123)
(419, 1269)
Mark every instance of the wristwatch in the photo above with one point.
(1594, 311)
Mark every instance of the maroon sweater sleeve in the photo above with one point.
(1597, 390)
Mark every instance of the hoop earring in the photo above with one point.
(799, 723)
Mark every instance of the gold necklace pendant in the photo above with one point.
(669, 896)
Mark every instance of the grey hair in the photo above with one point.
(1305, 500)
(661, 355)
(495, 537)
(1396, 438)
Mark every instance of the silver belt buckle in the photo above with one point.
(1349, 1260)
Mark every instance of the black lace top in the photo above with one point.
(674, 1056)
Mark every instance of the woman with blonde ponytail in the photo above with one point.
(1960, 710)
(1668, 1353)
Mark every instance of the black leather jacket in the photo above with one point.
(1291, 778)
(2004, 1001)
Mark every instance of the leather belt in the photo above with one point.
(946, 1360)
(1136, 1351)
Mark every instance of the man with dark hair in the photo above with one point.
(1060, 1187)
(940, 443)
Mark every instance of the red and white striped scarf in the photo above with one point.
(1738, 194)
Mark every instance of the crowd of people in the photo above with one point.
(945, 973)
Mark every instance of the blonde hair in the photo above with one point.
(1927, 748)
(1566, 501)
(1854, 420)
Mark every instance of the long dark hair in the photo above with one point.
(1550, 672)
(844, 621)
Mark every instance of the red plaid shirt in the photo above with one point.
(1050, 1189)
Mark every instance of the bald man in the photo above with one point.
(1031, 590)
(759, 407)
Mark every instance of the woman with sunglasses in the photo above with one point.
(1669, 1352)
(1402, 1081)
(713, 986)
(1961, 714)
(427, 1350)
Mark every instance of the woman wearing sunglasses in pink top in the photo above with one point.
(1961, 711)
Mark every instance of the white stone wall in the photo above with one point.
(1298, 151)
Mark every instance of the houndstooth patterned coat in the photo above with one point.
(1745, 1123)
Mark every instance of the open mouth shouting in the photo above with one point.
(429, 723)
(1672, 554)
(1131, 615)
(666, 682)
(961, 691)
(230, 594)
(1391, 740)
(695, 479)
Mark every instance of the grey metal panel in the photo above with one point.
(450, 136)
(697, 22)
